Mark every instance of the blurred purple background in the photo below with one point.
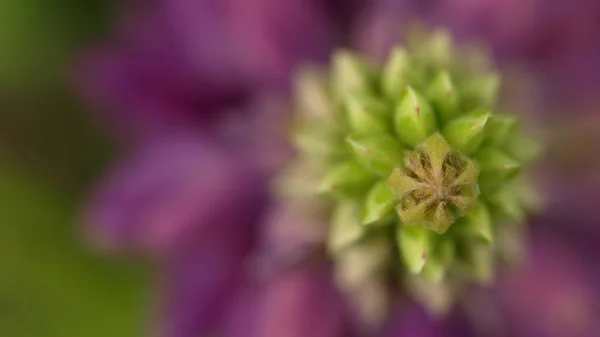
(139, 139)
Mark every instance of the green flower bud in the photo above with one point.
(345, 226)
(499, 129)
(395, 74)
(421, 177)
(365, 115)
(378, 204)
(377, 153)
(414, 118)
(444, 97)
(416, 242)
(345, 178)
(466, 133)
(478, 223)
(351, 75)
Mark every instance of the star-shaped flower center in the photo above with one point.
(435, 184)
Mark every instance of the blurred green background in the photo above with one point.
(51, 284)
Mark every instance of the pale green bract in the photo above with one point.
(411, 156)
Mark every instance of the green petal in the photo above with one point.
(442, 219)
(436, 148)
(468, 176)
(394, 77)
(379, 201)
(444, 97)
(378, 153)
(413, 214)
(401, 184)
(414, 244)
(345, 227)
(414, 119)
(346, 177)
(466, 133)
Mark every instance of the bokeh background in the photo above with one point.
(53, 283)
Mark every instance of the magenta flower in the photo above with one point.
(189, 87)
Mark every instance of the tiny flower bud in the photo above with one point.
(444, 97)
(377, 153)
(395, 73)
(345, 228)
(365, 115)
(416, 243)
(351, 75)
(466, 133)
(414, 119)
(345, 178)
(379, 203)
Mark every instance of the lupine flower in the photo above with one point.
(553, 39)
(187, 83)
(413, 175)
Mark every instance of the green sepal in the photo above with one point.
(347, 177)
(394, 76)
(350, 74)
(378, 153)
(499, 129)
(481, 92)
(444, 97)
(345, 229)
(414, 119)
(466, 133)
(414, 243)
(379, 202)
(401, 184)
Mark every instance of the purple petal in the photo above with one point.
(203, 279)
(264, 38)
(303, 302)
(412, 320)
(300, 302)
(555, 295)
(170, 188)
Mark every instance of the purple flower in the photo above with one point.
(189, 85)
(553, 39)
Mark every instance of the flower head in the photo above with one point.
(410, 156)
